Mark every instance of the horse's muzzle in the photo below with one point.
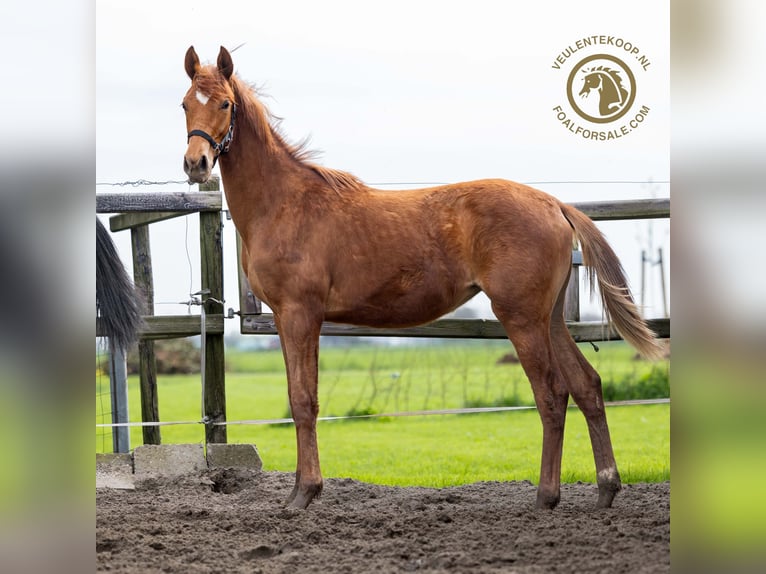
(198, 170)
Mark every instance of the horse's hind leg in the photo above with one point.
(584, 384)
(533, 346)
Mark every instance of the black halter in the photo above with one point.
(222, 147)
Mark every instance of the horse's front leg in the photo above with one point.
(299, 335)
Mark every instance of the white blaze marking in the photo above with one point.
(202, 98)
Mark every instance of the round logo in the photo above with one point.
(601, 88)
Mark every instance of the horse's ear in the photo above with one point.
(191, 62)
(225, 63)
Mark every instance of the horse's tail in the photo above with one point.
(117, 302)
(603, 265)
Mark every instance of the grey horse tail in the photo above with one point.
(118, 303)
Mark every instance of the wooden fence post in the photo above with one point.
(661, 263)
(211, 254)
(572, 298)
(144, 281)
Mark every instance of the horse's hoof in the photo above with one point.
(606, 494)
(547, 501)
(302, 496)
(609, 484)
(605, 498)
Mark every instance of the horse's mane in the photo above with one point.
(253, 113)
(614, 74)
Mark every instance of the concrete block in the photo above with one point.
(168, 459)
(233, 456)
(114, 470)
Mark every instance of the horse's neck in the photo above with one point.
(609, 91)
(255, 178)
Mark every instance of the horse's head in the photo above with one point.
(590, 82)
(210, 113)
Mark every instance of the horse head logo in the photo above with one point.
(606, 78)
(607, 82)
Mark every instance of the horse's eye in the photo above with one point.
(225, 105)
(183, 105)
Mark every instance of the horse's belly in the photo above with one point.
(401, 309)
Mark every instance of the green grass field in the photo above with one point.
(429, 451)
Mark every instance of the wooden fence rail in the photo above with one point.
(141, 202)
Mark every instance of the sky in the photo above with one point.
(397, 93)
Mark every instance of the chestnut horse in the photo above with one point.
(320, 245)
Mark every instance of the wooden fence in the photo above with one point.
(139, 210)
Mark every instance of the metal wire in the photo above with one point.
(140, 182)
(463, 411)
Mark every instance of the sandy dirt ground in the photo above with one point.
(231, 521)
